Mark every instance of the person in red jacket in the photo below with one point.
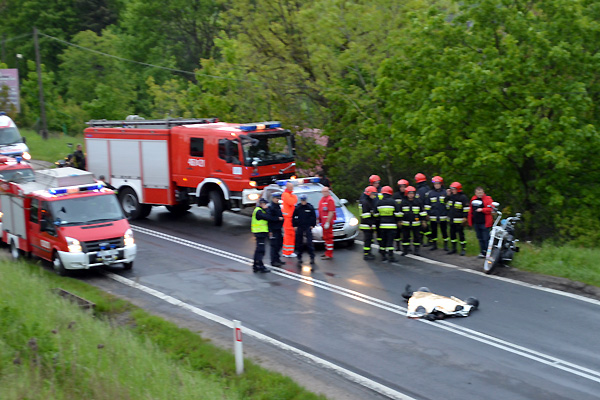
(326, 218)
(480, 218)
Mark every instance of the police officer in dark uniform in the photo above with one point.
(304, 220)
(275, 229)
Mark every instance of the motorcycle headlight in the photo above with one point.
(353, 221)
(73, 245)
(128, 238)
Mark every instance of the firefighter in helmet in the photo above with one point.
(389, 212)
(458, 209)
(412, 216)
(422, 190)
(400, 195)
(435, 205)
(368, 219)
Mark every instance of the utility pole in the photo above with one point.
(38, 63)
(3, 52)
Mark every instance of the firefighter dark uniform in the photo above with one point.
(260, 228)
(422, 190)
(458, 209)
(375, 181)
(435, 205)
(398, 196)
(368, 219)
(304, 219)
(412, 215)
(389, 212)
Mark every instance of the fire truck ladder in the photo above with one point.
(150, 123)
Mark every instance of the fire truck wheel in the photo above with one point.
(215, 206)
(131, 205)
(58, 266)
(127, 266)
(14, 250)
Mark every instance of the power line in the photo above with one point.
(16, 37)
(147, 64)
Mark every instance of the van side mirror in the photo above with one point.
(24, 139)
(344, 201)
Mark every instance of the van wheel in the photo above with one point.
(128, 265)
(57, 265)
(131, 205)
(15, 253)
(215, 205)
(179, 209)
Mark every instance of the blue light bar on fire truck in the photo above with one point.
(259, 126)
(298, 181)
(75, 189)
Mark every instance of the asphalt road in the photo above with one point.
(523, 343)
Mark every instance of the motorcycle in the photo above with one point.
(68, 161)
(502, 244)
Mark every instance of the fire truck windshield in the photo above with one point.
(267, 148)
(17, 175)
(10, 135)
(86, 210)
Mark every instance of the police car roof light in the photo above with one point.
(299, 181)
(259, 126)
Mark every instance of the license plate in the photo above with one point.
(104, 254)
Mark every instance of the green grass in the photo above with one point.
(50, 349)
(52, 149)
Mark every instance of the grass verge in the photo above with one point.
(52, 149)
(50, 349)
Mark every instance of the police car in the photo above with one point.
(345, 226)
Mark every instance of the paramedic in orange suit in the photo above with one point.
(289, 200)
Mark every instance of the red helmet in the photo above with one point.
(456, 185)
(420, 177)
(387, 190)
(370, 189)
(437, 179)
(402, 182)
(411, 189)
(374, 178)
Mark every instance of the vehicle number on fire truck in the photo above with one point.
(192, 162)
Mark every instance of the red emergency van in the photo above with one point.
(67, 217)
(178, 163)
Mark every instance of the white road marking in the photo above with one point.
(500, 278)
(382, 304)
(352, 376)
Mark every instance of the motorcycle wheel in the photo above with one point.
(492, 262)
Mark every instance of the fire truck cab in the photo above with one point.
(68, 218)
(179, 163)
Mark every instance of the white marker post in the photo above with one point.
(237, 347)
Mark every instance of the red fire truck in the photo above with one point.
(65, 216)
(178, 163)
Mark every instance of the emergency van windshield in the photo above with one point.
(10, 135)
(86, 210)
(17, 175)
(265, 148)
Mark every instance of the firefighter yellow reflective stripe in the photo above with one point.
(405, 223)
(466, 209)
(386, 211)
(423, 214)
(427, 207)
(388, 226)
(365, 226)
(416, 223)
(405, 208)
(416, 209)
(457, 220)
(399, 214)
